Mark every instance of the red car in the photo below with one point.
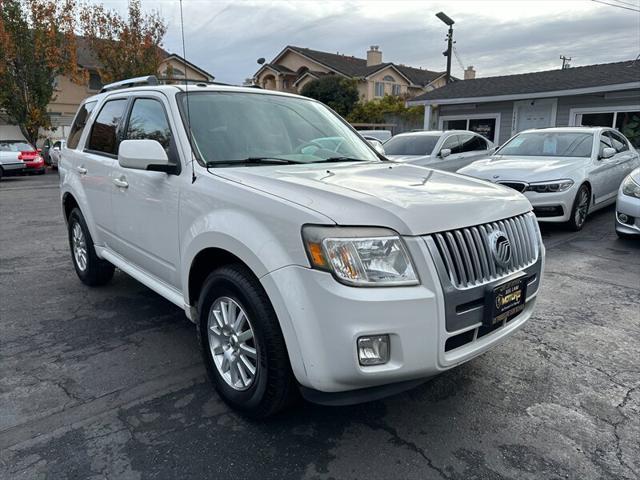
(29, 155)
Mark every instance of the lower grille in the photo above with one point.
(552, 211)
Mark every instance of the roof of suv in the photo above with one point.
(567, 129)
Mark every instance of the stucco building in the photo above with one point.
(294, 67)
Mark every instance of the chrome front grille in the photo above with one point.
(468, 256)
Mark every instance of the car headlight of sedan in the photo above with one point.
(630, 187)
(552, 186)
(364, 257)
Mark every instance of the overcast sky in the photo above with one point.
(496, 37)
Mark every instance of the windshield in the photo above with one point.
(411, 144)
(229, 127)
(15, 147)
(549, 144)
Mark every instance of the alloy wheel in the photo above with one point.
(583, 207)
(79, 247)
(232, 343)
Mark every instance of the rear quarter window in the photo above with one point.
(79, 123)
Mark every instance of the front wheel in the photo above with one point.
(242, 344)
(580, 209)
(91, 269)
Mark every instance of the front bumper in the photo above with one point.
(322, 319)
(553, 207)
(629, 206)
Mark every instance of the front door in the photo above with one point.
(145, 203)
(533, 114)
(604, 176)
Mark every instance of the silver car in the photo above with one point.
(448, 150)
(10, 164)
(628, 206)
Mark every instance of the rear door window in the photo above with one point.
(104, 133)
(79, 123)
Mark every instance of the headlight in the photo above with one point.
(631, 188)
(371, 257)
(550, 187)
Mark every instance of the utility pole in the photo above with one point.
(445, 19)
(565, 61)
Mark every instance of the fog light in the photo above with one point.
(373, 350)
(623, 218)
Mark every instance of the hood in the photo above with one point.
(529, 169)
(407, 158)
(409, 199)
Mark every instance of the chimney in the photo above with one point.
(469, 73)
(374, 56)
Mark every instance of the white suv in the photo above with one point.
(308, 262)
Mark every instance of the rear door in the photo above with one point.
(96, 163)
(145, 203)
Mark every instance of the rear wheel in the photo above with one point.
(242, 344)
(91, 269)
(580, 209)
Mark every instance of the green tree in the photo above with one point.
(376, 111)
(339, 93)
(37, 44)
(125, 47)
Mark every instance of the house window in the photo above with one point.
(625, 121)
(485, 126)
(395, 89)
(379, 89)
(95, 82)
(388, 78)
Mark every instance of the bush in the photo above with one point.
(376, 110)
(339, 93)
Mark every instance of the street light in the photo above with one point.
(449, 22)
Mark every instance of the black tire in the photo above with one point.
(579, 211)
(273, 387)
(1, 173)
(96, 271)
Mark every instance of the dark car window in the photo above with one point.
(149, 121)
(471, 143)
(618, 142)
(411, 144)
(103, 136)
(452, 143)
(79, 123)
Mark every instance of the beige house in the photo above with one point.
(68, 95)
(294, 67)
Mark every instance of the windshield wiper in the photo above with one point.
(340, 159)
(253, 161)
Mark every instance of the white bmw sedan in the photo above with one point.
(566, 173)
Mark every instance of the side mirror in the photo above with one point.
(445, 152)
(608, 152)
(144, 155)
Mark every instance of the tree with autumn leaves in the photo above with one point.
(38, 43)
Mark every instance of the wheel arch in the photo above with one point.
(69, 202)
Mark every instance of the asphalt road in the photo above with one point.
(108, 382)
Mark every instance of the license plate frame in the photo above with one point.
(505, 301)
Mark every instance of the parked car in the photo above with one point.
(448, 150)
(628, 206)
(55, 152)
(19, 150)
(9, 162)
(334, 273)
(382, 135)
(375, 143)
(566, 173)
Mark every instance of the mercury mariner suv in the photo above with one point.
(309, 262)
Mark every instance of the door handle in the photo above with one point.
(81, 170)
(120, 182)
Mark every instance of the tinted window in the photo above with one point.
(95, 82)
(549, 144)
(411, 144)
(149, 121)
(103, 136)
(79, 123)
(455, 125)
(452, 143)
(471, 143)
(605, 142)
(619, 143)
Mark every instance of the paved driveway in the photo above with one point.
(108, 382)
